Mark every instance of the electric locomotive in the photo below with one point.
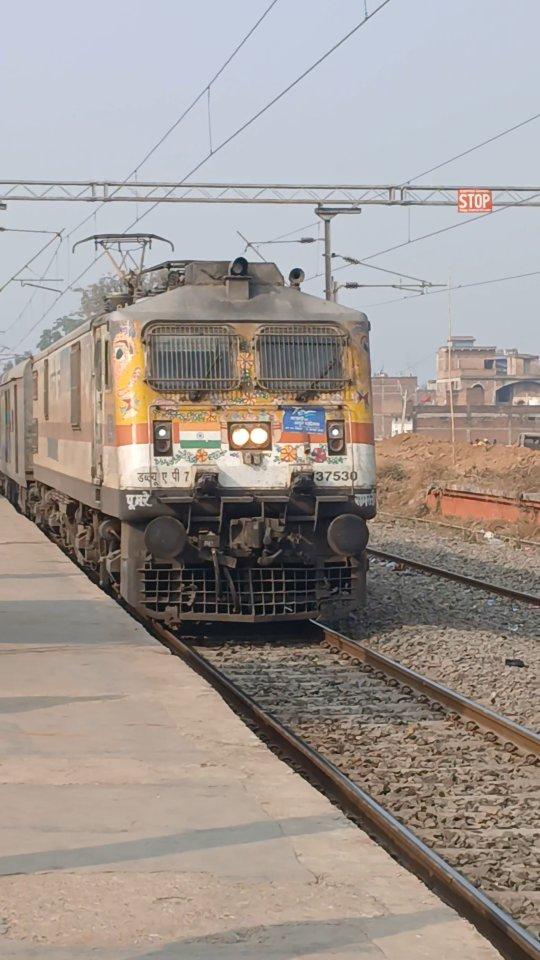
(206, 444)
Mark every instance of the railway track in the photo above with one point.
(470, 532)
(321, 714)
(446, 784)
(462, 578)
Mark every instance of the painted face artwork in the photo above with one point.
(128, 372)
(123, 350)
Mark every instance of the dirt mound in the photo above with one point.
(409, 464)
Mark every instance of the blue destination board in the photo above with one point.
(304, 420)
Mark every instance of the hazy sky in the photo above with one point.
(87, 89)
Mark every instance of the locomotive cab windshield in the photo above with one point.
(192, 358)
(302, 360)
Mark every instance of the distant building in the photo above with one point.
(502, 422)
(495, 394)
(393, 402)
(486, 376)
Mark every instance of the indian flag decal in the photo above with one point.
(200, 436)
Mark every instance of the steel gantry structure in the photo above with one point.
(329, 200)
(342, 195)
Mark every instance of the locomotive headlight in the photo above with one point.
(239, 436)
(250, 435)
(259, 436)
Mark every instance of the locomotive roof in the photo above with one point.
(16, 372)
(204, 296)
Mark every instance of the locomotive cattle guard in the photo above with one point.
(207, 446)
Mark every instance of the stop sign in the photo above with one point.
(474, 200)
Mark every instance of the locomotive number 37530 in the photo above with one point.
(324, 476)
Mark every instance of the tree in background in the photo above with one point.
(8, 364)
(93, 299)
(59, 329)
(93, 296)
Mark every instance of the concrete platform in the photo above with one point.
(141, 819)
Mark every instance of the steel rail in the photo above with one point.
(507, 730)
(454, 526)
(514, 941)
(458, 577)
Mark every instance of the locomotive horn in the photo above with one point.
(296, 276)
(238, 267)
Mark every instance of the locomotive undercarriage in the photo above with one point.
(275, 564)
(92, 538)
(250, 557)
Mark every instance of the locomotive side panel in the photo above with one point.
(64, 410)
(16, 430)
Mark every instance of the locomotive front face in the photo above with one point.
(245, 448)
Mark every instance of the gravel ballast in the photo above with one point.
(485, 556)
(461, 637)
(465, 795)
(464, 637)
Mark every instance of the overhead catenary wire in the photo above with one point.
(469, 150)
(457, 286)
(284, 236)
(477, 146)
(252, 246)
(407, 276)
(55, 301)
(266, 243)
(434, 233)
(352, 261)
(28, 230)
(32, 297)
(267, 106)
(149, 153)
(416, 363)
(204, 92)
(307, 226)
(13, 278)
(454, 226)
(56, 236)
(240, 129)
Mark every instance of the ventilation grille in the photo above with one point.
(300, 358)
(255, 591)
(192, 358)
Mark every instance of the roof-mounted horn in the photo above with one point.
(296, 277)
(237, 281)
